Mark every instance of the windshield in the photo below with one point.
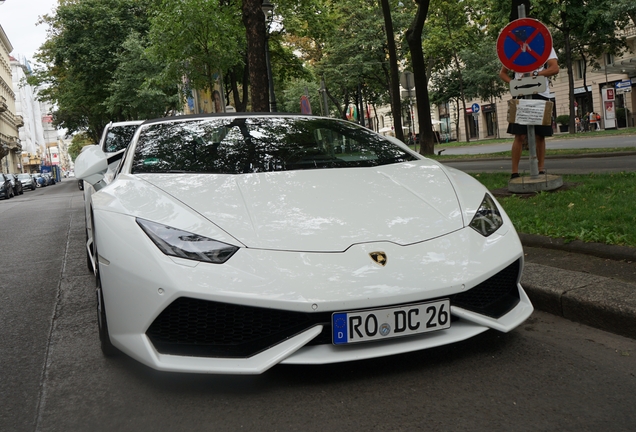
(118, 138)
(241, 145)
(24, 176)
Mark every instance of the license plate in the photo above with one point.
(387, 323)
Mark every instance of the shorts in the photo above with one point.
(517, 129)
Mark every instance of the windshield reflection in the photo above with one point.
(252, 145)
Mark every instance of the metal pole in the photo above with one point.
(323, 89)
(532, 139)
(272, 96)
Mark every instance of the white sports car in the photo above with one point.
(232, 243)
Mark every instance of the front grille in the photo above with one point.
(205, 328)
(211, 329)
(495, 296)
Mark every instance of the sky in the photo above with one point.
(18, 18)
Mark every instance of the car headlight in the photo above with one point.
(183, 244)
(487, 220)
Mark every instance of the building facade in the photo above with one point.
(31, 134)
(10, 148)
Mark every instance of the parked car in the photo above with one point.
(229, 244)
(39, 179)
(15, 184)
(115, 139)
(6, 189)
(27, 180)
(50, 179)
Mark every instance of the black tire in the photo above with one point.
(108, 349)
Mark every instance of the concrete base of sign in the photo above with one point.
(527, 184)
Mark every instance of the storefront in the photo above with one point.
(490, 114)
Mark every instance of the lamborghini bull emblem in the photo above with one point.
(378, 258)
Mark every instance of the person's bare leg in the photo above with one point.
(540, 152)
(517, 147)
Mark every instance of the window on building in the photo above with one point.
(579, 69)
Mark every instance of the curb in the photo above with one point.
(596, 301)
(600, 250)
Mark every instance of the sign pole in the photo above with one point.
(532, 139)
(523, 46)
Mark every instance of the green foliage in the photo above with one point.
(197, 39)
(563, 119)
(137, 90)
(290, 100)
(596, 208)
(77, 143)
(81, 56)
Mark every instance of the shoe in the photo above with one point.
(541, 172)
(514, 176)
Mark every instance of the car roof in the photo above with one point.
(127, 123)
(231, 115)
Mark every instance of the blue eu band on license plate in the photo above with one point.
(386, 323)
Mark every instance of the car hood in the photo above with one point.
(324, 210)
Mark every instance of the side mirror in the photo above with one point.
(91, 165)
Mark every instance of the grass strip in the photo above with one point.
(599, 208)
(549, 152)
(566, 136)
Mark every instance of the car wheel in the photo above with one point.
(108, 349)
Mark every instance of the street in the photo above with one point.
(567, 164)
(548, 374)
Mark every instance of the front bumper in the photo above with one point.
(140, 283)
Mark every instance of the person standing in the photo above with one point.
(520, 132)
(593, 125)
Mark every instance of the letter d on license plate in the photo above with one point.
(387, 323)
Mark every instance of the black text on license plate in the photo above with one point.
(386, 323)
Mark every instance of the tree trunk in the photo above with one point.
(396, 106)
(568, 63)
(461, 85)
(414, 39)
(254, 21)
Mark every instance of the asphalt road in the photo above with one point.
(548, 374)
(583, 141)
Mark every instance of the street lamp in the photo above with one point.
(268, 10)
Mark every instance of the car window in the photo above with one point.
(118, 138)
(239, 145)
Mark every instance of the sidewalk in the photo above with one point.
(587, 295)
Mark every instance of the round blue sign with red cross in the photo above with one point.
(524, 45)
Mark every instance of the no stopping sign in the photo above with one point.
(524, 45)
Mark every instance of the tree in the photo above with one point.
(80, 58)
(396, 106)
(138, 90)
(254, 22)
(585, 27)
(79, 141)
(196, 40)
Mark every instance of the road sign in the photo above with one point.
(623, 84)
(524, 45)
(407, 80)
(475, 107)
(527, 86)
